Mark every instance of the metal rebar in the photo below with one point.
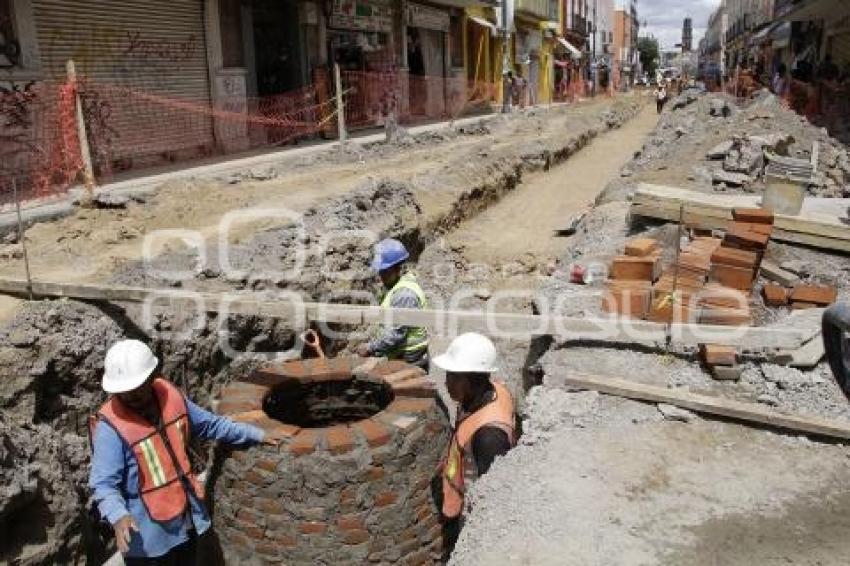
(21, 237)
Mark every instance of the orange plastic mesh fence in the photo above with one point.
(39, 150)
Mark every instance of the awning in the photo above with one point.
(763, 35)
(576, 53)
(483, 22)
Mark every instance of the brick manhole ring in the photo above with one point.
(350, 483)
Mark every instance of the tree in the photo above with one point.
(649, 55)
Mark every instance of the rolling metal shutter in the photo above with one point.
(145, 64)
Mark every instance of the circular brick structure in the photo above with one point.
(351, 481)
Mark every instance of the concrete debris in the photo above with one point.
(720, 151)
(720, 108)
(674, 413)
(12, 251)
(769, 400)
(730, 178)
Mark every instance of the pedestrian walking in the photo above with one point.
(660, 96)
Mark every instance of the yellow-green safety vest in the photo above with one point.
(416, 337)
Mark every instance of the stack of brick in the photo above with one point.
(721, 360)
(632, 274)
(676, 293)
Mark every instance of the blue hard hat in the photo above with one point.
(388, 253)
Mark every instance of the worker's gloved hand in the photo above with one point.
(122, 532)
(363, 350)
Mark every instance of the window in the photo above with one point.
(10, 49)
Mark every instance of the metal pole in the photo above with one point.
(595, 59)
(340, 104)
(21, 236)
(506, 62)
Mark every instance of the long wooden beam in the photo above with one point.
(745, 412)
(288, 306)
(821, 223)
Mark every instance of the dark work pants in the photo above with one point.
(182, 555)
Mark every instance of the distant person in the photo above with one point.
(660, 96)
(140, 472)
(779, 84)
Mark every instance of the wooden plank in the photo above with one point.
(710, 219)
(744, 412)
(507, 325)
(818, 218)
(775, 273)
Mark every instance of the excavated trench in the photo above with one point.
(53, 361)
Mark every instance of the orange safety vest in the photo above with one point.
(164, 469)
(499, 413)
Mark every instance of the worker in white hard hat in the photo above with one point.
(408, 343)
(140, 474)
(485, 424)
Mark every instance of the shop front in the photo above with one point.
(428, 65)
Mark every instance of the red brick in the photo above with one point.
(267, 465)
(340, 439)
(266, 548)
(670, 310)
(270, 507)
(255, 478)
(798, 305)
(305, 442)
(716, 355)
(765, 229)
(704, 244)
(774, 295)
(347, 495)
(686, 283)
(628, 300)
(753, 215)
(251, 531)
(410, 406)
(716, 295)
(235, 407)
(282, 539)
(419, 387)
(734, 257)
(820, 295)
(355, 537)
(385, 498)
(249, 516)
(742, 236)
(312, 527)
(374, 432)
(640, 247)
(636, 268)
(734, 277)
(725, 317)
(423, 512)
(388, 367)
(350, 523)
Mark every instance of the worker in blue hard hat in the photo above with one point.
(408, 343)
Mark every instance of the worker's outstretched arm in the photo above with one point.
(214, 427)
(393, 337)
(107, 473)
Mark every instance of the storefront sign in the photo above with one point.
(365, 15)
(419, 16)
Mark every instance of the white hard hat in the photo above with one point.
(128, 365)
(469, 353)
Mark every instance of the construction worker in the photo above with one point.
(140, 475)
(408, 343)
(485, 425)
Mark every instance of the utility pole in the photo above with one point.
(506, 61)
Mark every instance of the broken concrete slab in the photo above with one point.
(720, 150)
(731, 178)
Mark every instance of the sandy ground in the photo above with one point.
(88, 245)
(526, 220)
(619, 485)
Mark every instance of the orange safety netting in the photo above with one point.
(39, 149)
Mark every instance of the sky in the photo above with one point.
(664, 18)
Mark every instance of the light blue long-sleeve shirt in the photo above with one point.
(114, 479)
